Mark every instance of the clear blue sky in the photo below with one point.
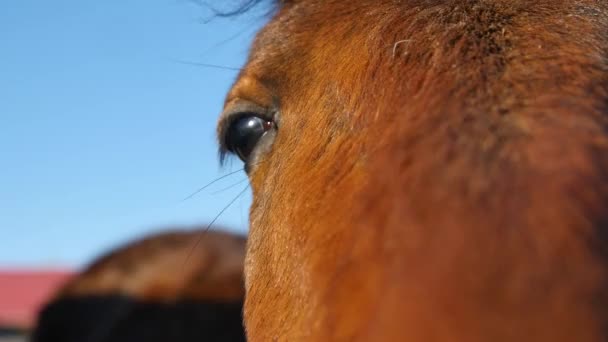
(102, 133)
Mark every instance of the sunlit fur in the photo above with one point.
(176, 286)
(439, 171)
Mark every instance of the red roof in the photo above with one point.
(22, 293)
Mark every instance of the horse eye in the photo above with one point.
(244, 133)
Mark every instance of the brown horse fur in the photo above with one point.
(174, 286)
(438, 171)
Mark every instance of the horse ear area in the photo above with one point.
(178, 286)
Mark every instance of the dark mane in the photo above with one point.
(237, 8)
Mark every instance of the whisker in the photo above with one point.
(205, 65)
(226, 207)
(214, 47)
(212, 222)
(231, 186)
(209, 184)
(217, 180)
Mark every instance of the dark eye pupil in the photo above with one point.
(245, 133)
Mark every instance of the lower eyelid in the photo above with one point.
(261, 150)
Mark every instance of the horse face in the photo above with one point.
(421, 170)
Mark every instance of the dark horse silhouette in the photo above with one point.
(177, 286)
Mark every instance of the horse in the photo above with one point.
(425, 170)
(179, 285)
